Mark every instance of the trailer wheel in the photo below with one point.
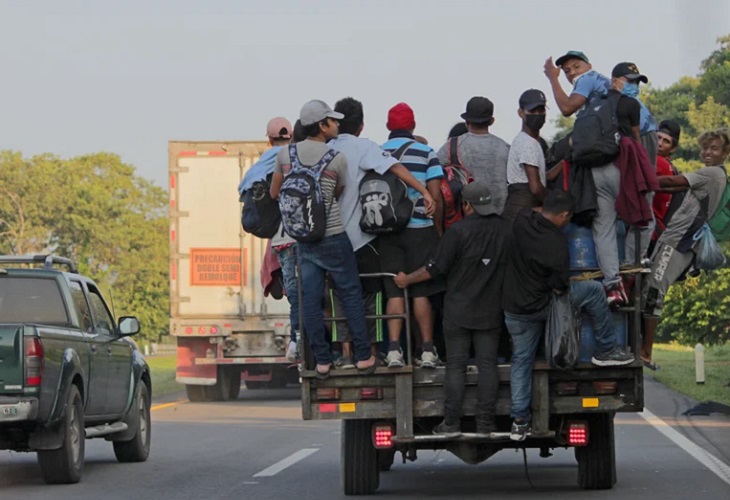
(197, 393)
(235, 383)
(65, 464)
(359, 467)
(597, 461)
(386, 459)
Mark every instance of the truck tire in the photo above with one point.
(64, 465)
(279, 378)
(137, 449)
(597, 461)
(386, 459)
(221, 390)
(359, 467)
(235, 383)
(197, 393)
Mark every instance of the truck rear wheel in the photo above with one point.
(386, 459)
(597, 461)
(197, 393)
(359, 466)
(137, 449)
(64, 465)
(234, 388)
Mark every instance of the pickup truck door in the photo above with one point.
(99, 362)
(118, 352)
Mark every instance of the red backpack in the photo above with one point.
(456, 176)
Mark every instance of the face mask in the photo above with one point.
(534, 122)
(630, 89)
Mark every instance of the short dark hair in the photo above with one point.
(298, 134)
(458, 129)
(312, 130)
(558, 201)
(354, 116)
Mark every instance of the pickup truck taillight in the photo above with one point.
(33, 362)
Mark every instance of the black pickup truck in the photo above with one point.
(68, 371)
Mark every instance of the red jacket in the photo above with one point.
(661, 200)
(270, 274)
(638, 178)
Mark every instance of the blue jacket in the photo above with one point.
(259, 170)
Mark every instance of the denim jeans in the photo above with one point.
(332, 255)
(458, 342)
(526, 331)
(288, 262)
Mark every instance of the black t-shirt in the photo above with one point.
(628, 112)
(539, 263)
(472, 255)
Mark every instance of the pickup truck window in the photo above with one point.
(82, 307)
(103, 320)
(32, 300)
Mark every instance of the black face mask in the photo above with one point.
(535, 122)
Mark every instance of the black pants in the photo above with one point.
(458, 342)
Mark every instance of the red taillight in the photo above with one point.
(328, 394)
(371, 393)
(382, 435)
(605, 387)
(578, 434)
(189, 330)
(33, 361)
(213, 330)
(201, 330)
(567, 388)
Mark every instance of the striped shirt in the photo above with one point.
(422, 162)
(335, 174)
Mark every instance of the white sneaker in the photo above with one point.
(291, 352)
(429, 359)
(395, 359)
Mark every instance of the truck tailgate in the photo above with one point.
(11, 359)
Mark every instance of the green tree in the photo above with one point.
(94, 210)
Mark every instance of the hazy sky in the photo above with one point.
(81, 76)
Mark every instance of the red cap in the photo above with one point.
(279, 128)
(400, 117)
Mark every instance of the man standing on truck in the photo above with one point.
(472, 256)
(482, 153)
(412, 248)
(700, 193)
(333, 254)
(362, 156)
(538, 268)
(279, 133)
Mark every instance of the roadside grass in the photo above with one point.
(162, 370)
(677, 371)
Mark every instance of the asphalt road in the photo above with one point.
(248, 449)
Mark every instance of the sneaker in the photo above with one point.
(614, 357)
(486, 426)
(616, 295)
(291, 352)
(345, 363)
(395, 359)
(429, 359)
(519, 431)
(448, 430)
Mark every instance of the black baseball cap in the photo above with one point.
(531, 99)
(478, 110)
(671, 128)
(571, 54)
(629, 70)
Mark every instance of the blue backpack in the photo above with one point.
(303, 211)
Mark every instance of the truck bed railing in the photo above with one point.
(47, 260)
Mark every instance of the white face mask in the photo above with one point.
(575, 80)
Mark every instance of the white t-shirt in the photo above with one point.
(524, 151)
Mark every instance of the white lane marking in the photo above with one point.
(287, 462)
(720, 468)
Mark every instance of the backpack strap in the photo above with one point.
(398, 153)
(453, 152)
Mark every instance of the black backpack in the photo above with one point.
(596, 138)
(386, 207)
(303, 210)
(260, 215)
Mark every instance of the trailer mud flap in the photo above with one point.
(188, 372)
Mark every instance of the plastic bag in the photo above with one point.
(708, 254)
(562, 333)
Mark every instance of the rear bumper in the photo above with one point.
(17, 409)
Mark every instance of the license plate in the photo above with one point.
(10, 411)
